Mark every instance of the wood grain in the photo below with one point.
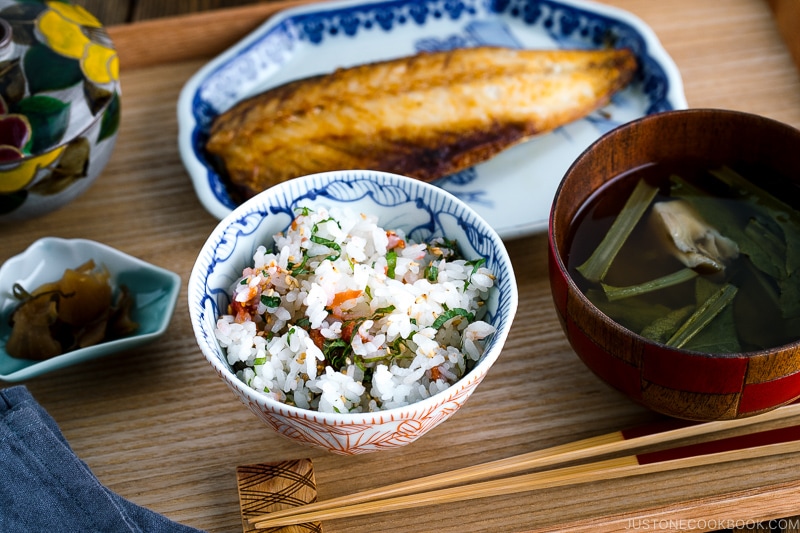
(787, 18)
(266, 488)
(109, 11)
(158, 427)
(122, 11)
(188, 37)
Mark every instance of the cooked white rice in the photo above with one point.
(345, 316)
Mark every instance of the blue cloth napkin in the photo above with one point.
(44, 487)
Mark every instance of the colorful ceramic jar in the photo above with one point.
(59, 105)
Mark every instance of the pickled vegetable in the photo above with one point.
(77, 311)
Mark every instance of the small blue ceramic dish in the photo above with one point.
(154, 290)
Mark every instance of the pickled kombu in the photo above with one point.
(77, 311)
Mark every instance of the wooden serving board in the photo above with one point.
(160, 428)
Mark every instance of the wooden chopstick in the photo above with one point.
(614, 442)
(750, 446)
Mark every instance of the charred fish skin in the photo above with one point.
(424, 116)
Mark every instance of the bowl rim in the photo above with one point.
(563, 271)
(370, 417)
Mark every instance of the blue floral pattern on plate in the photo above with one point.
(514, 190)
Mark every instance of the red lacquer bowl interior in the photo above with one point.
(683, 384)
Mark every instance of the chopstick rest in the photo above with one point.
(269, 487)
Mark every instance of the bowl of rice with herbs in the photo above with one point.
(352, 311)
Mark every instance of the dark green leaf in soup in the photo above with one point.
(710, 328)
(766, 247)
(635, 313)
(665, 326)
(597, 265)
(773, 237)
(712, 263)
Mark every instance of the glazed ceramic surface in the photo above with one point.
(154, 289)
(679, 383)
(59, 105)
(423, 211)
(513, 191)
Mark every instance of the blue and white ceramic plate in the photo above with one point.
(154, 291)
(514, 190)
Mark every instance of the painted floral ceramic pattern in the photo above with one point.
(382, 431)
(422, 211)
(314, 39)
(59, 104)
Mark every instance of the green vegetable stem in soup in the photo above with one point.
(695, 258)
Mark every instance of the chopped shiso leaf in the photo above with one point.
(431, 273)
(704, 314)
(270, 301)
(477, 264)
(618, 293)
(391, 263)
(442, 319)
(596, 267)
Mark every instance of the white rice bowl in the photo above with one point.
(279, 373)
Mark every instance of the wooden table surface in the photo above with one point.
(160, 428)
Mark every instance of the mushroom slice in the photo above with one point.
(691, 239)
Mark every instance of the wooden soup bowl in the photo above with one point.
(678, 383)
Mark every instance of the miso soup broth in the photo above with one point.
(702, 259)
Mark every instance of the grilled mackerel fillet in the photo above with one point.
(424, 116)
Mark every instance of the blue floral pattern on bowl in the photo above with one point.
(416, 208)
(316, 39)
(422, 211)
